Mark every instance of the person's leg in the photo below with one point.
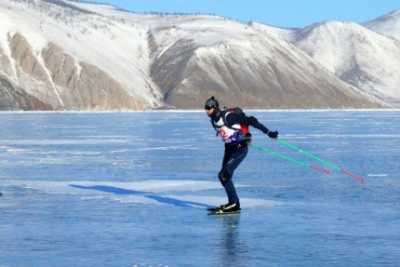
(227, 155)
(227, 171)
(231, 192)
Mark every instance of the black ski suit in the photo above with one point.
(236, 151)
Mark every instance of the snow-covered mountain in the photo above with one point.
(359, 56)
(388, 25)
(70, 58)
(241, 65)
(58, 54)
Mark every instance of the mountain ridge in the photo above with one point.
(93, 56)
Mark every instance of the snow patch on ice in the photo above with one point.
(377, 175)
(167, 148)
(46, 142)
(150, 186)
(154, 192)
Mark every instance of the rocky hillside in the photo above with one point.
(68, 55)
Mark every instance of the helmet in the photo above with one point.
(211, 103)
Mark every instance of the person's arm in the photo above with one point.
(252, 121)
(235, 118)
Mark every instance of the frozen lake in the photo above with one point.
(131, 189)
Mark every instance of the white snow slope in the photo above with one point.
(215, 34)
(352, 59)
(388, 24)
(357, 55)
(118, 48)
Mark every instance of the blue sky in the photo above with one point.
(283, 13)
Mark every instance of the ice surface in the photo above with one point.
(131, 189)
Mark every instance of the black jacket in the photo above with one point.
(237, 116)
(241, 118)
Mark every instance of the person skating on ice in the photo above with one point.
(232, 125)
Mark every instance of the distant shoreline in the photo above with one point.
(192, 111)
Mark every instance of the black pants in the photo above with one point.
(233, 156)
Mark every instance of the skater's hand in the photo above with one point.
(273, 134)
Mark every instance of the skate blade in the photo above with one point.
(220, 212)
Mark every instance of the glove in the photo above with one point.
(273, 134)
